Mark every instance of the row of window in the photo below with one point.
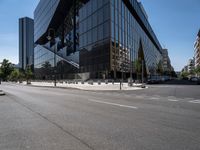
(96, 34)
(127, 33)
(97, 18)
(91, 7)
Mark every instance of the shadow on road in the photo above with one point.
(181, 82)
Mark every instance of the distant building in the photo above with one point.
(185, 69)
(191, 65)
(167, 67)
(26, 42)
(197, 50)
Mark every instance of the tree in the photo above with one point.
(1, 74)
(138, 67)
(14, 76)
(6, 69)
(46, 65)
(197, 71)
(21, 76)
(28, 74)
(184, 74)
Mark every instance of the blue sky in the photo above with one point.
(10, 12)
(175, 22)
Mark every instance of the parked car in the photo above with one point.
(194, 79)
(185, 78)
(154, 80)
(198, 82)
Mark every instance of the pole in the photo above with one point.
(74, 22)
(54, 65)
(121, 81)
(142, 71)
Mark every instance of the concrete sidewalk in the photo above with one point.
(87, 86)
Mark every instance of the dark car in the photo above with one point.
(154, 80)
(198, 82)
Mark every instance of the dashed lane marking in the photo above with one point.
(113, 104)
(173, 100)
(195, 101)
(189, 98)
(139, 97)
(154, 98)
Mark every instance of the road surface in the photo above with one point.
(163, 117)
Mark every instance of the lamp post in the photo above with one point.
(122, 67)
(51, 38)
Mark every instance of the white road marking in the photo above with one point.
(139, 97)
(154, 98)
(173, 100)
(188, 98)
(195, 101)
(156, 95)
(114, 104)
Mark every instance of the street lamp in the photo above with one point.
(51, 38)
(122, 67)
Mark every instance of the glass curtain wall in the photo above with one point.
(128, 38)
(95, 37)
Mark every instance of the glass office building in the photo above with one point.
(26, 44)
(94, 38)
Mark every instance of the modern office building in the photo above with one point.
(197, 50)
(26, 42)
(93, 39)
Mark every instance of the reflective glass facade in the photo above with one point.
(95, 37)
(99, 37)
(132, 38)
(46, 69)
(26, 44)
(42, 17)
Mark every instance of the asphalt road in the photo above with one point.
(163, 117)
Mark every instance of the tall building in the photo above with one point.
(167, 67)
(93, 39)
(26, 42)
(197, 50)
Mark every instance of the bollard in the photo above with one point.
(99, 82)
